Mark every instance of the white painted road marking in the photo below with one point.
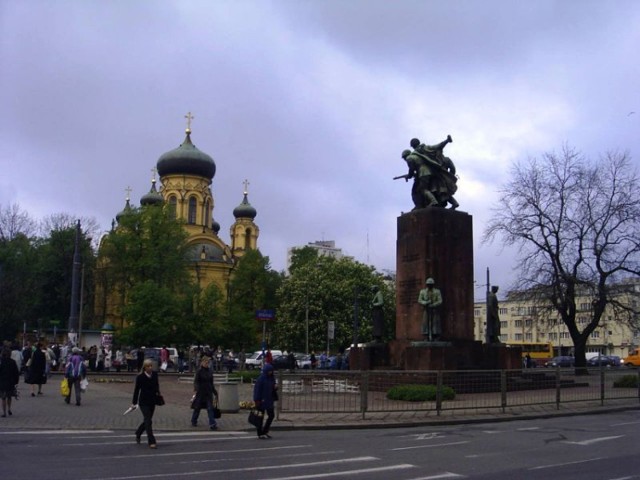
(541, 467)
(594, 440)
(429, 446)
(252, 469)
(345, 473)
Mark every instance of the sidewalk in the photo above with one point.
(104, 403)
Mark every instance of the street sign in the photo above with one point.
(265, 315)
(331, 330)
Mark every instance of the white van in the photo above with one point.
(255, 360)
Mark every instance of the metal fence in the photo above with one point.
(326, 391)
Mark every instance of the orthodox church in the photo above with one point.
(186, 174)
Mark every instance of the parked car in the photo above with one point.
(255, 360)
(563, 361)
(303, 360)
(281, 362)
(603, 361)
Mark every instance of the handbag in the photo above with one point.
(255, 418)
(216, 411)
(159, 400)
(64, 388)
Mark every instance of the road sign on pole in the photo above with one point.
(265, 315)
(331, 330)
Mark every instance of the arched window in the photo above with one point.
(247, 239)
(207, 214)
(172, 206)
(192, 211)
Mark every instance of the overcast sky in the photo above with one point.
(311, 101)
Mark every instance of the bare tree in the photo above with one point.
(64, 221)
(576, 223)
(13, 221)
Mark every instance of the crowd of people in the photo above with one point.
(36, 362)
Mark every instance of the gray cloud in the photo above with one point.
(311, 101)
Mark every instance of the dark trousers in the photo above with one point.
(270, 416)
(147, 422)
(196, 414)
(74, 383)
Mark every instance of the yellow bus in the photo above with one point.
(540, 352)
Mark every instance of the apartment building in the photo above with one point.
(522, 320)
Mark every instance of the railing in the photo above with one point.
(327, 391)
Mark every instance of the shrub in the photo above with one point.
(247, 375)
(419, 393)
(627, 381)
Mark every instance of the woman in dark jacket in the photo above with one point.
(36, 373)
(146, 392)
(264, 396)
(9, 378)
(203, 390)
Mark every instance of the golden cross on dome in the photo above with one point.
(189, 117)
(246, 186)
(154, 170)
(128, 190)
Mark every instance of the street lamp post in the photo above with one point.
(306, 322)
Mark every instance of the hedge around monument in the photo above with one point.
(419, 393)
(626, 381)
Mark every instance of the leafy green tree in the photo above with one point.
(155, 311)
(18, 285)
(54, 274)
(326, 289)
(253, 287)
(575, 223)
(146, 252)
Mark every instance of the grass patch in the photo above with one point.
(419, 393)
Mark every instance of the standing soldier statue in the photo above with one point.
(493, 317)
(430, 298)
(377, 315)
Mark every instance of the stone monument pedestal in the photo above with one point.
(369, 357)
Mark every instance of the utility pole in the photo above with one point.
(74, 310)
(487, 340)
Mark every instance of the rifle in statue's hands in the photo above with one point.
(405, 176)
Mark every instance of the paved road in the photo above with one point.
(596, 447)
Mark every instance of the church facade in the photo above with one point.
(186, 176)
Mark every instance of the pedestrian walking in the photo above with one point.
(204, 390)
(36, 370)
(75, 372)
(265, 393)
(145, 396)
(9, 379)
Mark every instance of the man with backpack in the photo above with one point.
(74, 373)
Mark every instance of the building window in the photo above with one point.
(528, 337)
(504, 311)
(207, 214)
(504, 324)
(528, 323)
(247, 239)
(172, 206)
(518, 324)
(476, 312)
(192, 211)
(518, 337)
(595, 334)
